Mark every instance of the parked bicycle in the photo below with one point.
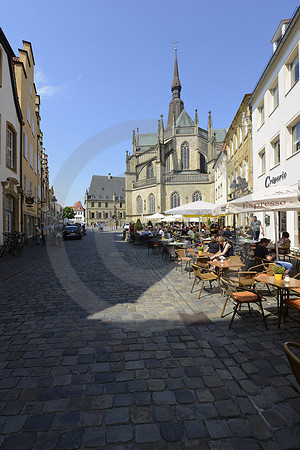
(13, 244)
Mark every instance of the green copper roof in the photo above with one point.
(184, 120)
(220, 134)
(146, 139)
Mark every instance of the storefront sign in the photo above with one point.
(269, 181)
(264, 204)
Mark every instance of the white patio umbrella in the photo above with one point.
(173, 218)
(193, 209)
(156, 216)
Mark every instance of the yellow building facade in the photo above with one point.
(238, 141)
(31, 162)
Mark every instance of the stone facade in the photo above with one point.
(174, 165)
(10, 148)
(105, 200)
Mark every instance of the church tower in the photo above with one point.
(176, 105)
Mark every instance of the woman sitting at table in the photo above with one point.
(285, 242)
(225, 248)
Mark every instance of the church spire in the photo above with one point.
(176, 85)
(176, 105)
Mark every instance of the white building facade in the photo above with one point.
(10, 148)
(275, 106)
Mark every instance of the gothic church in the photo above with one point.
(173, 166)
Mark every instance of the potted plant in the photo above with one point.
(278, 272)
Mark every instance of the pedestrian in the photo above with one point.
(37, 234)
(43, 234)
(256, 227)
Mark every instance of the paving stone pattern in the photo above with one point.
(101, 347)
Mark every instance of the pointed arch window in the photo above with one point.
(151, 201)
(168, 163)
(185, 156)
(150, 171)
(175, 200)
(139, 205)
(203, 167)
(196, 196)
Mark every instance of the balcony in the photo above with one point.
(186, 178)
(144, 183)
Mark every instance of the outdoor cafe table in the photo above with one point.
(297, 259)
(282, 286)
(224, 266)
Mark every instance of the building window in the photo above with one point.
(246, 170)
(276, 152)
(99, 204)
(241, 170)
(274, 96)
(28, 113)
(139, 205)
(106, 204)
(261, 114)
(175, 200)
(185, 156)
(106, 215)
(31, 155)
(262, 160)
(99, 215)
(235, 141)
(296, 138)
(25, 186)
(294, 71)
(196, 196)
(121, 205)
(203, 167)
(168, 163)
(240, 134)
(93, 215)
(151, 201)
(35, 163)
(32, 125)
(11, 148)
(150, 171)
(25, 145)
(92, 204)
(30, 188)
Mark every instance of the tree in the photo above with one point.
(138, 225)
(68, 213)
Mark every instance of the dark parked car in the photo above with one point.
(72, 232)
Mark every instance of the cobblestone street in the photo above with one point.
(104, 346)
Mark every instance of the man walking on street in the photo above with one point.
(256, 226)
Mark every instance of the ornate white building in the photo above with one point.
(174, 165)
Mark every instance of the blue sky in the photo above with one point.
(101, 64)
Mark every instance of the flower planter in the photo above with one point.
(278, 276)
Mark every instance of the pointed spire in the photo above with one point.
(176, 104)
(209, 125)
(176, 85)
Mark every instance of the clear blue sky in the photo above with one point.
(102, 63)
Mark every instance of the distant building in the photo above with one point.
(79, 212)
(105, 200)
(10, 148)
(275, 106)
(172, 166)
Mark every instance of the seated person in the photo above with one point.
(272, 258)
(226, 232)
(225, 248)
(285, 242)
(145, 232)
(212, 246)
(261, 250)
(249, 233)
(191, 233)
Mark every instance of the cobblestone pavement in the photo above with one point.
(104, 346)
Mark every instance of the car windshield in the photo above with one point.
(71, 228)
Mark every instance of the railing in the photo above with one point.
(186, 178)
(145, 182)
(185, 130)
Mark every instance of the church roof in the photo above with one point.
(220, 134)
(106, 187)
(184, 120)
(146, 139)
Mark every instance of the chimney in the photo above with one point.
(109, 176)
